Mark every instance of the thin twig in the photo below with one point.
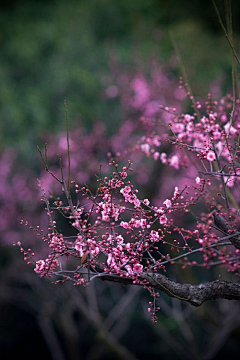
(183, 70)
(68, 148)
(225, 33)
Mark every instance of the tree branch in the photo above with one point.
(194, 294)
(223, 226)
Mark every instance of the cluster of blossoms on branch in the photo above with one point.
(119, 234)
(18, 185)
(167, 193)
(108, 230)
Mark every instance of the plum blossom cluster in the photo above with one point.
(109, 233)
(129, 196)
(46, 267)
(118, 232)
(198, 143)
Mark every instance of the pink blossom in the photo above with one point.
(125, 225)
(163, 158)
(128, 246)
(190, 126)
(126, 190)
(198, 180)
(140, 223)
(136, 202)
(119, 239)
(154, 236)
(216, 135)
(108, 211)
(40, 265)
(136, 223)
(229, 180)
(212, 117)
(137, 268)
(178, 127)
(142, 91)
(76, 223)
(188, 117)
(167, 203)
(198, 144)
(129, 269)
(129, 196)
(230, 129)
(176, 192)
(145, 148)
(211, 156)
(96, 250)
(155, 140)
(51, 264)
(225, 152)
(156, 155)
(174, 161)
(160, 210)
(163, 219)
(79, 247)
(110, 260)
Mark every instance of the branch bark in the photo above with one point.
(223, 226)
(194, 294)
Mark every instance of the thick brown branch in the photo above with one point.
(222, 225)
(195, 294)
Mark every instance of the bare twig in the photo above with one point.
(68, 148)
(225, 33)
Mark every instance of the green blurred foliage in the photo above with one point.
(57, 50)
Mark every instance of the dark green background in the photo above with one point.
(57, 50)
